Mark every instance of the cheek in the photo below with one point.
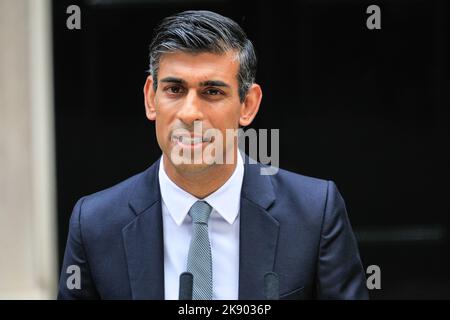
(163, 115)
(159, 131)
(162, 126)
(228, 119)
(231, 122)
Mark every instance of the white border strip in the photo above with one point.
(43, 156)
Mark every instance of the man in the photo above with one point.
(225, 223)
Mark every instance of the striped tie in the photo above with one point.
(199, 258)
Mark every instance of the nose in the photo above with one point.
(191, 110)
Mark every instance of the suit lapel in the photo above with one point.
(258, 232)
(143, 238)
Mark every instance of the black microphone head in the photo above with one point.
(186, 283)
(271, 286)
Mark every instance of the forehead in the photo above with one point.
(194, 68)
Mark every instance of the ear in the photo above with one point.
(149, 99)
(250, 106)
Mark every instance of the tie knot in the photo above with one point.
(200, 212)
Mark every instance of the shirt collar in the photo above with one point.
(225, 200)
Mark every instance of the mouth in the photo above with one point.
(186, 141)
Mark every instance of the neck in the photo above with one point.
(200, 183)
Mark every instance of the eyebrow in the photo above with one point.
(213, 83)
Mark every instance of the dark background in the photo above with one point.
(368, 109)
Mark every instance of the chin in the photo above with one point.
(192, 168)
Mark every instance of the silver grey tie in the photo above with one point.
(199, 258)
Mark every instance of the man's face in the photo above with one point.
(194, 87)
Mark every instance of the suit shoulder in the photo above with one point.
(307, 194)
(111, 203)
(115, 194)
(296, 182)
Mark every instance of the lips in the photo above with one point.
(191, 140)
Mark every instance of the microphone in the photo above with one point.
(271, 286)
(186, 282)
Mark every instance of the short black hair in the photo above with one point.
(204, 31)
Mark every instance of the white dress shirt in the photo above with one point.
(223, 230)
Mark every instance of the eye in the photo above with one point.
(213, 92)
(174, 89)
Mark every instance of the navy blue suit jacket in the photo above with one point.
(293, 225)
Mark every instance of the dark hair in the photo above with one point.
(204, 31)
